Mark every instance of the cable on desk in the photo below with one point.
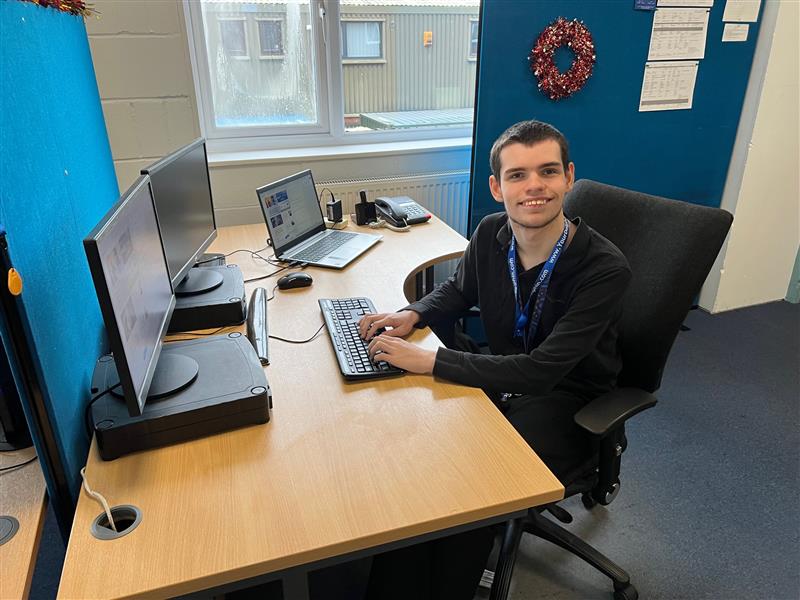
(200, 262)
(252, 279)
(311, 339)
(18, 465)
(289, 265)
(383, 223)
(99, 498)
(87, 412)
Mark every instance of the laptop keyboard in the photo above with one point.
(341, 317)
(323, 247)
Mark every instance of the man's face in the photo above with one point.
(532, 183)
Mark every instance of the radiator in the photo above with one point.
(445, 194)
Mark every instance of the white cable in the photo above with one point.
(99, 498)
(381, 223)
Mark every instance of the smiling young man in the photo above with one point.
(550, 296)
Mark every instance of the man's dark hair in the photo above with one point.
(527, 133)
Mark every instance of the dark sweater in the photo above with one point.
(575, 347)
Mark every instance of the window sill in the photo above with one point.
(363, 61)
(222, 159)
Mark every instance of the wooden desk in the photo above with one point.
(340, 467)
(22, 496)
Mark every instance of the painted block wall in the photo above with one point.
(144, 75)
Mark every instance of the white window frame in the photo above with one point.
(366, 60)
(243, 20)
(470, 56)
(329, 132)
(261, 54)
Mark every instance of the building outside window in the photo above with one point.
(233, 37)
(349, 71)
(270, 37)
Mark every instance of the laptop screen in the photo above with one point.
(291, 210)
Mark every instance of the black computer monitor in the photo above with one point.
(133, 286)
(185, 210)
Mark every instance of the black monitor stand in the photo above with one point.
(217, 299)
(174, 372)
(211, 259)
(199, 281)
(228, 390)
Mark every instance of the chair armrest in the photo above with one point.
(607, 412)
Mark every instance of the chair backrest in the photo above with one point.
(671, 246)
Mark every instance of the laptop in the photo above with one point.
(297, 229)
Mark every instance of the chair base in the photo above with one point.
(542, 527)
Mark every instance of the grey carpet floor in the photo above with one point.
(710, 499)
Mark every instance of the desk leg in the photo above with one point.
(429, 280)
(295, 585)
(506, 560)
(421, 288)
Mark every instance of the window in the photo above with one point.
(270, 37)
(361, 39)
(343, 71)
(233, 37)
(473, 38)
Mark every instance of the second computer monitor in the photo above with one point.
(130, 276)
(185, 209)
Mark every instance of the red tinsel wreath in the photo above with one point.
(73, 7)
(576, 37)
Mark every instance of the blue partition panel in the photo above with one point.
(57, 180)
(682, 154)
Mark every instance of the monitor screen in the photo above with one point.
(133, 286)
(291, 209)
(185, 208)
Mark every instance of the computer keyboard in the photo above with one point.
(341, 318)
(325, 246)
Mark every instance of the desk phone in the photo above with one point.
(401, 211)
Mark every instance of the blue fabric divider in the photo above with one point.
(56, 181)
(681, 154)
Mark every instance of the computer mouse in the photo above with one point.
(294, 280)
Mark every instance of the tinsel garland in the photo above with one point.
(576, 36)
(73, 7)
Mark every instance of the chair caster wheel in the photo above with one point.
(627, 592)
(588, 501)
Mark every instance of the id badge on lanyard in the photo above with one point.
(525, 327)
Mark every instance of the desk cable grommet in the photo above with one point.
(114, 522)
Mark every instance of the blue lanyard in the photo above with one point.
(522, 328)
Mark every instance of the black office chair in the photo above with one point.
(671, 247)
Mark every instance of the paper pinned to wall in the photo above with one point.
(678, 33)
(686, 3)
(668, 85)
(743, 11)
(735, 32)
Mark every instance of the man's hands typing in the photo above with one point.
(401, 324)
(388, 345)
